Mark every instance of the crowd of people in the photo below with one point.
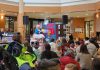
(60, 54)
(67, 55)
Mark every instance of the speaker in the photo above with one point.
(65, 19)
(26, 19)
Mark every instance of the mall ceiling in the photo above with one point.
(52, 3)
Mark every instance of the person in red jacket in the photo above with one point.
(64, 46)
(68, 58)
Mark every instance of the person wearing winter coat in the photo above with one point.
(84, 58)
(68, 58)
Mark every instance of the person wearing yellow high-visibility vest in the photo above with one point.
(21, 54)
(24, 56)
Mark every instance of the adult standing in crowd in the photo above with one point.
(1, 33)
(23, 54)
(53, 45)
(77, 46)
(91, 47)
(96, 64)
(48, 54)
(71, 39)
(64, 45)
(68, 58)
(84, 58)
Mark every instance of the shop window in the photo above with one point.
(10, 20)
(89, 28)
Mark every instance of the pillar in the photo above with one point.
(20, 25)
(97, 25)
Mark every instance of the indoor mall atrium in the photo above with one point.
(50, 35)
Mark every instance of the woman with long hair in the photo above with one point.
(84, 58)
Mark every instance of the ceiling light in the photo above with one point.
(97, 15)
(2, 17)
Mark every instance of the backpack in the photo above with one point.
(15, 48)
